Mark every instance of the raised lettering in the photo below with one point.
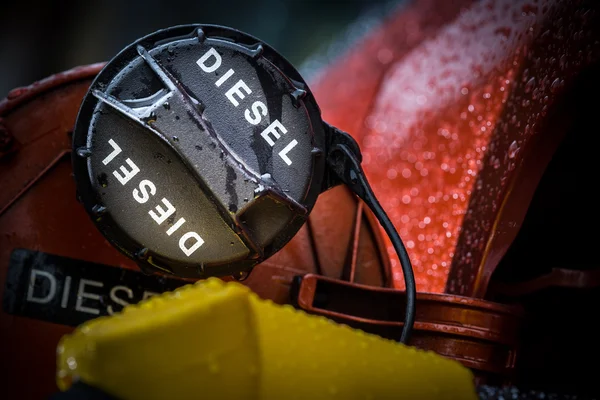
(148, 294)
(35, 273)
(194, 237)
(145, 185)
(161, 214)
(283, 153)
(116, 299)
(273, 130)
(114, 153)
(175, 226)
(127, 175)
(236, 89)
(216, 64)
(258, 107)
(224, 78)
(65, 295)
(82, 294)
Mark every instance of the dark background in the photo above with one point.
(39, 38)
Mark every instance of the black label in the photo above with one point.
(69, 291)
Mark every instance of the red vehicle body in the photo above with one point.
(476, 123)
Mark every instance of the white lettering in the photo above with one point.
(235, 89)
(253, 114)
(116, 299)
(258, 107)
(65, 296)
(273, 129)
(144, 196)
(202, 61)
(162, 213)
(113, 154)
(190, 235)
(175, 226)
(33, 277)
(82, 294)
(224, 77)
(286, 149)
(127, 175)
(148, 294)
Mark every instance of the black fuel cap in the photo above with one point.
(199, 151)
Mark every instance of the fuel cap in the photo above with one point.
(200, 151)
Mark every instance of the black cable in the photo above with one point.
(407, 271)
(345, 164)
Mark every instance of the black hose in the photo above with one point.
(345, 164)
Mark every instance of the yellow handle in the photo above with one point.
(217, 340)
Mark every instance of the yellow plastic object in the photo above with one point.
(217, 340)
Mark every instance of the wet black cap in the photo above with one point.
(199, 151)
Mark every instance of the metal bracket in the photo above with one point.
(336, 137)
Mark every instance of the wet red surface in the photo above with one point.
(447, 128)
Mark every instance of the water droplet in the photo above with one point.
(530, 85)
(72, 363)
(504, 32)
(513, 149)
(176, 138)
(13, 94)
(495, 162)
(529, 9)
(556, 84)
(563, 61)
(166, 105)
